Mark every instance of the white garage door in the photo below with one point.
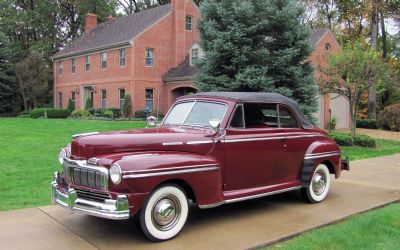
(340, 109)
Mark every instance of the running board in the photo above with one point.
(255, 196)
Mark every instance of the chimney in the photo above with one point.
(90, 22)
(110, 18)
(178, 12)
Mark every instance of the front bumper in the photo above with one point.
(111, 209)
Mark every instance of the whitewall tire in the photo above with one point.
(164, 213)
(319, 186)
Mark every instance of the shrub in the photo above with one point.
(364, 141)
(108, 114)
(71, 106)
(343, 139)
(88, 104)
(127, 106)
(332, 124)
(50, 113)
(80, 113)
(116, 112)
(389, 118)
(367, 123)
(140, 114)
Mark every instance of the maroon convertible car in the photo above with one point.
(211, 149)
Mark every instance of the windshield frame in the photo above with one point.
(191, 108)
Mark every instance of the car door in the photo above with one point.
(254, 147)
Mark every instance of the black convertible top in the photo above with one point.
(256, 97)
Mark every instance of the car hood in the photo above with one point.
(187, 139)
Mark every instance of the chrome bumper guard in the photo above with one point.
(111, 209)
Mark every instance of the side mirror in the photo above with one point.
(215, 124)
(151, 121)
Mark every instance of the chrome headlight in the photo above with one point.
(61, 156)
(115, 174)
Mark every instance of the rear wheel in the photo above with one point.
(164, 213)
(319, 186)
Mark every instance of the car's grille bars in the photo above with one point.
(84, 176)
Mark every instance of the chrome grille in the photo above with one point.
(81, 174)
(92, 195)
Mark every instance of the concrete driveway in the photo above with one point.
(370, 183)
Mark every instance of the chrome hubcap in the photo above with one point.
(166, 213)
(319, 182)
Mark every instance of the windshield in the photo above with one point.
(195, 113)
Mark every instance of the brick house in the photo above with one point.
(149, 55)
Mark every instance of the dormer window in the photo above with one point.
(189, 23)
(194, 56)
(328, 47)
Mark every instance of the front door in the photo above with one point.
(254, 153)
(87, 92)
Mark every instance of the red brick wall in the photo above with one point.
(171, 42)
(319, 59)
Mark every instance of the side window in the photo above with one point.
(286, 118)
(270, 112)
(237, 119)
(260, 115)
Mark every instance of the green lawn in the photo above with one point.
(384, 147)
(28, 155)
(377, 229)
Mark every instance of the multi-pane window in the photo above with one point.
(60, 68)
(194, 56)
(73, 94)
(73, 65)
(188, 22)
(103, 60)
(149, 99)
(87, 63)
(121, 97)
(149, 57)
(103, 99)
(286, 118)
(59, 100)
(122, 57)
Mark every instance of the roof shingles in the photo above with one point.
(115, 32)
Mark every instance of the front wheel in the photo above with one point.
(164, 213)
(319, 186)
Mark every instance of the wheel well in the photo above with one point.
(330, 166)
(184, 185)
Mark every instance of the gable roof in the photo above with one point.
(186, 72)
(116, 32)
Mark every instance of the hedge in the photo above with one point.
(367, 123)
(360, 140)
(50, 112)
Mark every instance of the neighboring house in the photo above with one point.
(149, 55)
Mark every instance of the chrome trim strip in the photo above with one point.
(323, 153)
(269, 138)
(248, 197)
(84, 134)
(172, 168)
(262, 195)
(320, 156)
(186, 171)
(199, 142)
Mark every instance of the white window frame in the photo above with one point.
(73, 97)
(188, 25)
(103, 60)
(60, 68)
(87, 63)
(122, 58)
(59, 99)
(148, 99)
(103, 98)
(121, 101)
(150, 58)
(73, 65)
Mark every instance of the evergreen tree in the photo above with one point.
(71, 105)
(257, 45)
(8, 86)
(88, 104)
(127, 106)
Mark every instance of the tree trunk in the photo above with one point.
(352, 118)
(374, 44)
(384, 39)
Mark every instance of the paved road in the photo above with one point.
(370, 183)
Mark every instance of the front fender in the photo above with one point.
(322, 151)
(142, 172)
